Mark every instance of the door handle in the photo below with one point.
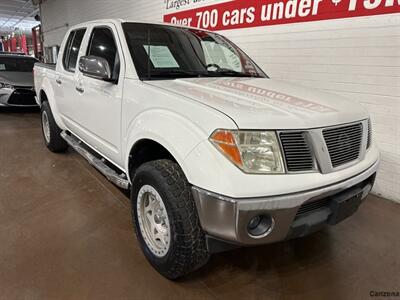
(80, 90)
(58, 81)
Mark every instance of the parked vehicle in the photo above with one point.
(216, 154)
(16, 80)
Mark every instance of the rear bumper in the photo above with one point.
(227, 218)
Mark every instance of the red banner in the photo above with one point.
(253, 13)
(23, 45)
(13, 44)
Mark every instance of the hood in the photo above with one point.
(262, 103)
(17, 78)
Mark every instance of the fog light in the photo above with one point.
(254, 222)
(260, 226)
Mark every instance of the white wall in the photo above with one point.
(358, 58)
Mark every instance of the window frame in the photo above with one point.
(89, 46)
(67, 49)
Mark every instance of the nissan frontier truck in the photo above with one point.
(216, 154)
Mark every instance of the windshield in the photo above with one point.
(163, 52)
(13, 64)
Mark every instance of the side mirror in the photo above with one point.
(96, 67)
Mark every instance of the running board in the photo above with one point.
(99, 164)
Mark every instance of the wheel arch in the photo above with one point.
(47, 94)
(145, 150)
(172, 134)
(42, 96)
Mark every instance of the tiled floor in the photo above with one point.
(65, 233)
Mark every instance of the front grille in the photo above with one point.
(369, 140)
(22, 97)
(344, 143)
(25, 88)
(297, 152)
(312, 206)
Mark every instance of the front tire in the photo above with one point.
(51, 132)
(166, 221)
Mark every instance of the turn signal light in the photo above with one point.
(225, 141)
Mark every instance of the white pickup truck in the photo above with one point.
(216, 154)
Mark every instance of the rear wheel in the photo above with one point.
(166, 221)
(51, 132)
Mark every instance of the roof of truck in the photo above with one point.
(134, 21)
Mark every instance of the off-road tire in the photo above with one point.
(56, 144)
(187, 251)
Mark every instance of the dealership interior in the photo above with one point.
(259, 144)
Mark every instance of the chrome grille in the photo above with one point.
(369, 140)
(344, 143)
(297, 152)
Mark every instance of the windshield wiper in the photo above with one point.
(229, 72)
(176, 73)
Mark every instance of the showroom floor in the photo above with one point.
(65, 233)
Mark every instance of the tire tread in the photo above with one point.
(57, 143)
(190, 251)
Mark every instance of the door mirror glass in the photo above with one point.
(96, 67)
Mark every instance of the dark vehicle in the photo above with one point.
(12, 53)
(16, 80)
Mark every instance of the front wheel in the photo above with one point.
(166, 221)
(51, 132)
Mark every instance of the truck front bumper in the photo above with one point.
(292, 215)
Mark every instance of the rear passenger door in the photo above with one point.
(100, 102)
(66, 77)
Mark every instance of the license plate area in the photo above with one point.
(343, 206)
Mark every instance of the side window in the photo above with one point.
(76, 45)
(72, 49)
(67, 48)
(102, 44)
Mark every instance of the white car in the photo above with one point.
(217, 155)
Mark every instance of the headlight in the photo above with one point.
(255, 152)
(6, 86)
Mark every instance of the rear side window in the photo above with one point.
(72, 49)
(67, 48)
(102, 44)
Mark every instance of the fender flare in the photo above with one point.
(177, 134)
(48, 90)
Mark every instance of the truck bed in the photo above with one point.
(43, 72)
(47, 66)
